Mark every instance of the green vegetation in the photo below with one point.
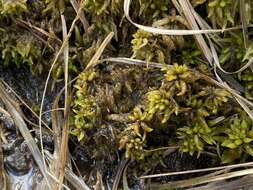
(85, 107)
(138, 104)
(239, 135)
(183, 98)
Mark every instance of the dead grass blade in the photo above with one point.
(4, 112)
(236, 184)
(244, 23)
(229, 167)
(213, 53)
(82, 16)
(65, 130)
(204, 25)
(124, 176)
(94, 60)
(56, 126)
(202, 180)
(186, 8)
(121, 167)
(76, 181)
(236, 95)
(153, 30)
(65, 42)
(72, 178)
(99, 182)
(25, 133)
(217, 62)
(177, 6)
(57, 121)
(131, 61)
(240, 100)
(231, 81)
(3, 179)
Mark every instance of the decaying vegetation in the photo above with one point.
(142, 80)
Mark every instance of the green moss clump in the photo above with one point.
(154, 8)
(132, 141)
(105, 16)
(194, 138)
(177, 78)
(156, 48)
(239, 137)
(101, 7)
(176, 98)
(198, 110)
(235, 52)
(13, 8)
(21, 50)
(143, 109)
(148, 47)
(22, 42)
(221, 12)
(209, 100)
(86, 110)
(160, 104)
(191, 55)
(247, 79)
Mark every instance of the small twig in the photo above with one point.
(121, 167)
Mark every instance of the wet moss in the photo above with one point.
(182, 94)
(131, 110)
